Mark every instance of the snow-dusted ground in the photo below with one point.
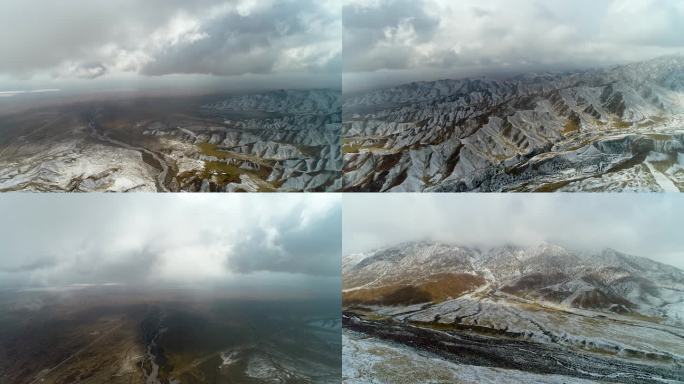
(289, 142)
(80, 166)
(525, 133)
(184, 154)
(625, 336)
(368, 360)
(542, 310)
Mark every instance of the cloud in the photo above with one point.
(384, 35)
(428, 39)
(152, 239)
(89, 71)
(643, 225)
(91, 38)
(31, 266)
(285, 36)
(295, 244)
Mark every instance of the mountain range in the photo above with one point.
(606, 280)
(284, 140)
(609, 129)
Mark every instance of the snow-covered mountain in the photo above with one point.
(607, 280)
(606, 129)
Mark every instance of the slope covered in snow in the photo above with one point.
(580, 131)
(287, 140)
(608, 280)
(540, 313)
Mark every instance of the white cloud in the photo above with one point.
(429, 39)
(641, 224)
(158, 37)
(167, 239)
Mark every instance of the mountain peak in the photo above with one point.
(607, 280)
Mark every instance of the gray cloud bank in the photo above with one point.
(383, 42)
(152, 239)
(641, 224)
(85, 39)
(429, 39)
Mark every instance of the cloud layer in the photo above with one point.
(153, 239)
(93, 38)
(425, 39)
(382, 41)
(643, 225)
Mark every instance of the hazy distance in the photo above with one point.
(388, 42)
(270, 244)
(646, 225)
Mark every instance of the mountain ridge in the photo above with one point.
(528, 132)
(605, 280)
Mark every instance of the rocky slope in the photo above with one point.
(606, 129)
(608, 281)
(281, 140)
(272, 141)
(520, 314)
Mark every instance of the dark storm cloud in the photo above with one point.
(295, 244)
(647, 225)
(49, 240)
(93, 38)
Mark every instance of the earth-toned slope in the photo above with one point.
(530, 314)
(606, 281)
(274, 141)
(615, 129)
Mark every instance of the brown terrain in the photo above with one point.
(437, 288)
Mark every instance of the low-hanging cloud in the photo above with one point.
(294, 244)
(429, 39)
(151, 239)
(643, 225)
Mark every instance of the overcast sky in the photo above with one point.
(395, 41)
(648, 225)
(103, 43)
(261, 239)
(224, 44)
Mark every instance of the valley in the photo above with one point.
(275, 141)
(123, 335)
